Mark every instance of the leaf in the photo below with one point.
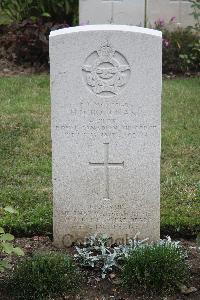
(10, 209)
(2, 230)
(179, 46)
(4, 264)
(91, 264)
(33, 18)
(8, 248)
(18, 251)
(7, 237)
(45, 14)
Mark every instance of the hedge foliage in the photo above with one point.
(27, 42)
(59, 10)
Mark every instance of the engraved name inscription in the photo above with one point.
(116, 119)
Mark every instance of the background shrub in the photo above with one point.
(156, 268)
(44, 275)
(181, 51)
(181, 47)
(28, 42)
(57, 10)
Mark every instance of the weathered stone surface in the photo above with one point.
(131, 12)
(106, 94)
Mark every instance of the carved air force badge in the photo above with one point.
(106, 71)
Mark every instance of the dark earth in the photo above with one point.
(98, 289)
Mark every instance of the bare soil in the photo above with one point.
(98, 289)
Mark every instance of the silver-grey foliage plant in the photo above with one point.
(97, 253)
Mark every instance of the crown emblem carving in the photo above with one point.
(106, 52)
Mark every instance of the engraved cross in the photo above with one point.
(106, 164)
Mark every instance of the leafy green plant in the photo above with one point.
(181, 47)
(44, 275)
(182, 52)
(61, 10)
(16, 10)
(159, 267)
(98, 254)
(190, 59)
(6, 247)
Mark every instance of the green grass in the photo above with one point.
(180, 164)
(25, 152)
(25, 155)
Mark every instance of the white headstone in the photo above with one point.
(129, 12)
(106, 98)
(166, 9)
(132, 12)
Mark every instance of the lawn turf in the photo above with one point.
(25, 155)
(180, 160)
